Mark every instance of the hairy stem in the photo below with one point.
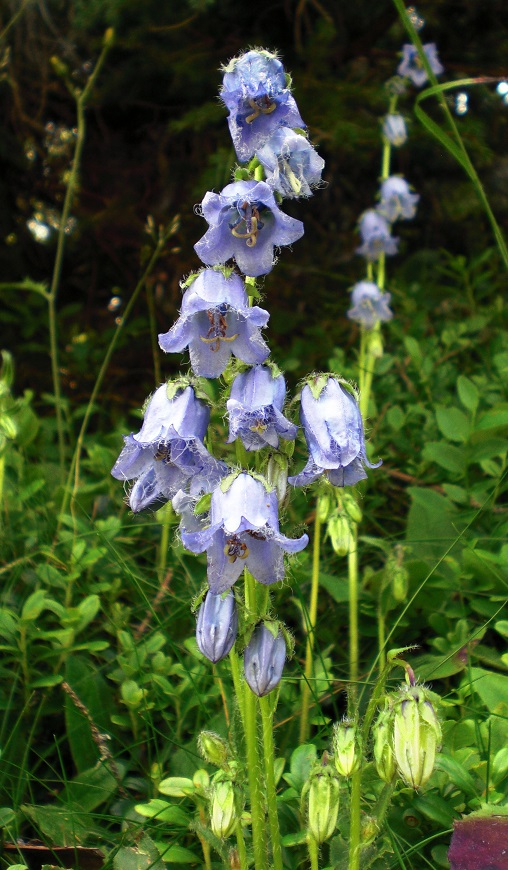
(355, 821)
(271, 794)
(310, 629)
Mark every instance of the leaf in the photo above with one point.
(177, 786)
(144, 856)
(176, 854)
(302, 760)
(337, 587)
(456, 773)
(468, 393)
(91, 788)
(164, 812)
(453, 423)
(495, 418)
(450, 458)
(93, 691)
(430, 523)
(492, 688)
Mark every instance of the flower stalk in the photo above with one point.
(310, 628)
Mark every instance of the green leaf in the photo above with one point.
(495, 418)
(337, 587)
(164, 812)
(492, 688)
(177, 786)
(468, 393)
(302, 760)
(430, 527)
(176, 854)
(91, 788)
(34, 605)
(457, 774)
(93, 691)
(453, 423)
(435, 808)
(46, 682)
(448, 457)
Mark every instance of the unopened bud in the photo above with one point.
(201, 780)
(346, 747)
(324, 506)
(217, 625)
(324, 789)
(213, 748)
(224, 808)
(277, 474)
(264, 659)
(383, 744)
(399, 583)
(339, 531)
(375, 344)
(416, 735)
(352, 507)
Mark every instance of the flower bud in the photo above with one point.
(399, 583)
(383, 739)
(352, 507)
(324, 788)
(213, 748)
(224, 808)
(340, 534)
(375, 344)
(416, 735)
(346, 747)
(217, 625)
(264, 660)
(324, 506)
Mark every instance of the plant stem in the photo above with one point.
(265, 705)
(242, 851)
(166, 516)
(2, 470)
(355, 821)
(237, 683)
(310, 628)
(204, 844)
(256, 806)
(381, 636)
(353, 614)
(313, 853)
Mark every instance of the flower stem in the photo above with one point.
(166, 513)
(265, 705)
(252, 745)
(381, 633)
(310, 628)
(355, 821)
(313, 853)
(353, 613)
(240, 841)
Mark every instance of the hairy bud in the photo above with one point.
(383, 744)
(225, 808)
(213, 748)
(416, 735)
(323, 797)
(346, 747)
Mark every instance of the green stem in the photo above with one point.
(2, 470)
(383, 803)
(265, 705)
(207, 855)
(381, 636)
(256, 805)
(355, 821)
(313, 853)
(353, 615)
(310, 629)
(237, 683)
(167, 514)
(242, 851)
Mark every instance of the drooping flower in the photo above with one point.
(394, 129)
(255, 92)
(217, 625)
(168, 451)
(369, 304)
(292, 166)
(333, 428)
(245, 223)
(412, 67)
(416, 735)
(263, 660)
(396, 199)
(241, 530)
(375, 235)
(216, 321)
(255, 409)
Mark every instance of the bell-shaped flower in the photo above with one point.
(245, 223)
(217, 625)
(255, 409)
(333, 428)
(216, 321)
(241, 530)
(255, 92)
(396, 199)
(263, 660)
(375, 235)
(394, 129)
(168, 451)
(369, 304)
(292, 166)
(411, 66)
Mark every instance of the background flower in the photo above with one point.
(396, 199)
(375, 235)
(369, 304)
(411, 65)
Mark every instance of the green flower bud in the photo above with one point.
(352, 507)
(225, 808)
(324, 788)
(383, 744)
(324, 506)
(340, 534)
(400, 583)
(213, 748)
(201, 780)
(375, 344)
(346, 747)
(416, 735)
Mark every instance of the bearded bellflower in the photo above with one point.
(411, 66)
(240, 531)
(375, 235)
(245, 223)
(369, 304)
(333, 428)
(255, 409)
(394, 129)
(396, 200)
(292, 166)
(264, 659)
(168, 451)
(217, 625)
(255, 92)
(216, 321)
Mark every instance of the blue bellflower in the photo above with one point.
(369, 304)
(245, 223)
(292, 166)
(263, 660)
(168, 451)
(255, 409)
(333, 428)
(216, 321)
(394, 129)
(375, 235)
(396, 199)
(255, 92)
(241, 530)
(411, 66)
(217, 626)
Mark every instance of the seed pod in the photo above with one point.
(217, 625)
(416, 735)
(324, 788)
(346, 747)
(264, 660)
(383, 740)
(224, 808)
(213, 748)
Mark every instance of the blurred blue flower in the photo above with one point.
(217, 626)
(369, 304)
(216, 321)
(255, 92)
(411, 66)
(241, 530)
(168, 451)
(292, 166)
(245, 223)
(333, 428)
(375, 235)
(394, 129)
(263, 660)
(396, 199)
(255, 409)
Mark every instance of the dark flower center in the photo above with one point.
(235, 549)
(218, 327)
(248, 215)
(261, 106)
